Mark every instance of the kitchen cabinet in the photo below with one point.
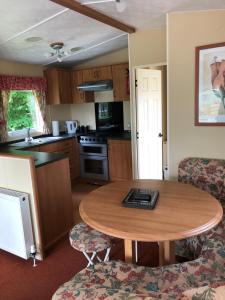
(33, 149)
(120, 159)
(58, 86)
(98, 73)
(120, 75)
(49, 148)
(80, 96)
(55, 201)
(71, 149)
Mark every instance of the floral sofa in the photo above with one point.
(202, 278)
(209, 175)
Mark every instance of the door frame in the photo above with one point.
(134, 113)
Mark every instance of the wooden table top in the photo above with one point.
(182, 211)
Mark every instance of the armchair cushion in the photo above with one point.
(209, 175)
(214, 291)
(205, 173)
(84, 238)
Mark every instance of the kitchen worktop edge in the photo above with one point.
(40, 158)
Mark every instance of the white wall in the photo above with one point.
(84, 114)
(60, 113)
(185, 32)
(112, 58)
(19, 69)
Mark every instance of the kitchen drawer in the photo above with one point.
(33, 149)
(49, 148)
(65, 145)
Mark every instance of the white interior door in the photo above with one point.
(149, 123)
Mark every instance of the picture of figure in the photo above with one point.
(210, 85)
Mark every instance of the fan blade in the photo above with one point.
(48, 54)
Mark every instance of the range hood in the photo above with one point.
(96, 86)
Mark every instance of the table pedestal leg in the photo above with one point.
(166, 253)
(128, 251)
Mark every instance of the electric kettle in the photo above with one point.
(71, 127)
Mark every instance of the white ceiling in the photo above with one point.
(42, 18)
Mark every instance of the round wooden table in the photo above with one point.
(182, 211)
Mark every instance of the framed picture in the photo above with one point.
(210, 85)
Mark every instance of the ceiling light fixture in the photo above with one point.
(58, 51)
(33, 39)
(120, 4)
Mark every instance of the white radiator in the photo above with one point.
(16, 235)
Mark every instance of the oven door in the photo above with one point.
(93, 149)
(94, 167)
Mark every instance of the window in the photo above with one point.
(23, 112)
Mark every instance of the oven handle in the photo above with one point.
(93, 155)
(102, 146)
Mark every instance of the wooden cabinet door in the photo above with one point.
(65, 86)
(55, 201)
(120, 75)
(71, 149)
(103, 73)
(75, 160)
(120, 159)
(79, 96)
(53, 96)
(58, 86)
(49, 148)
(88, 75)
(99, 73)
(33, 149)
(68, 147)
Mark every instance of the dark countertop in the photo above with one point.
(126, 135)
(43, 158)
(40, 158)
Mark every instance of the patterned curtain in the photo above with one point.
(41, 100)
(4, 99)
(22, 83)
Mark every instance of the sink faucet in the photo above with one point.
(28, 138)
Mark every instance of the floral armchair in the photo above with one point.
(209, 175)
(118, 280)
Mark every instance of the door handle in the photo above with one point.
(160, 135)
(137, 135)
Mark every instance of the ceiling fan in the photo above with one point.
(120, 4)
(58, 51)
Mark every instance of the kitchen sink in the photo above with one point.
(52, 138)
(37, 141)
(46, 139)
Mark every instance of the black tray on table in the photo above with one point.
(141, 198)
